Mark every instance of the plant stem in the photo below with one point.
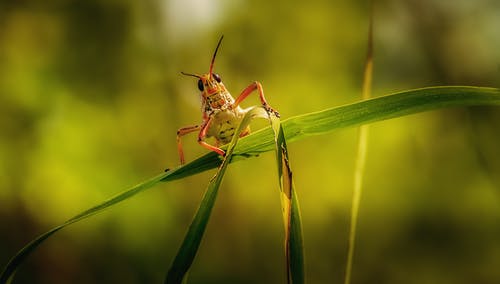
(361, 155)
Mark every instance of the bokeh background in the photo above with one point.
(91, 97)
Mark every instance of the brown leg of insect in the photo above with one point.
(203, 134)
(248, 90)
(181, 132)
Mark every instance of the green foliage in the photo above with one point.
(189, 247)
(295, 128)
(377, 109)
(294, 244)
(91, 97)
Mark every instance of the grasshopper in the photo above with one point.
(221, 112)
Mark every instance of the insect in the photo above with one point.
(221, 112)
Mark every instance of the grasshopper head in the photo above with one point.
(210, 83)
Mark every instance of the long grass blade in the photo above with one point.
(19, 258)
(192, 240)
(294, 251)
(351, 115)
(361, 155)
(296, 242)
(296, 128)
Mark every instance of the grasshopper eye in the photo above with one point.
(200, 85)
(217, 77)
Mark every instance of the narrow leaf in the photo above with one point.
(361, 155)
(298, 127)
(294, 251)
(19, 258)
(296, 243)
(351, 115)
(192, 240)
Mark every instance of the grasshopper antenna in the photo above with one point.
(192, 75)
(213, 57)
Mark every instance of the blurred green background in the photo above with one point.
(91, 97)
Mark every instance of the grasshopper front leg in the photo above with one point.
(181, 132)
(248, 90)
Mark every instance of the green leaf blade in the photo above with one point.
(387, 107)
(296, 243)
(351, 115)
(361, 155)
(8, 272)
(189, 247)
(295, 128)
(294, 248)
